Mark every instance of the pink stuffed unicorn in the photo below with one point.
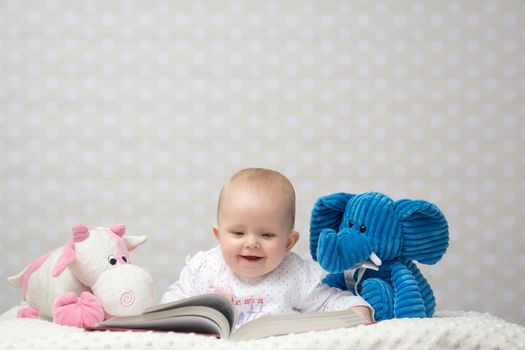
(88, 279)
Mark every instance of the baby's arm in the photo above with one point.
(175, 292)
(364, 312)
(321, 297)
(187, 284)
(325, 298)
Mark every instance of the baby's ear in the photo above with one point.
(293, 237)
(216, 232)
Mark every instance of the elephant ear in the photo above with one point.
(327, 213)
(425, 230)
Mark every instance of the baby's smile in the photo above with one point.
(251, 257)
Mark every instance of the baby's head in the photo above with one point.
(255, 216)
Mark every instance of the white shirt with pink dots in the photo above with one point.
(294, 286)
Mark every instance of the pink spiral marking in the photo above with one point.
(127, 298)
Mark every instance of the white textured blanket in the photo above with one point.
(446, 330)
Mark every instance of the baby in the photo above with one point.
(253, 263)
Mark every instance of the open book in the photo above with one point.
(214, 314)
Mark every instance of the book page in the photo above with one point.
(216, 301)
(196, 319)
(182, 324)
(296, 323)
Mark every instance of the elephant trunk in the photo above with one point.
(343, 250)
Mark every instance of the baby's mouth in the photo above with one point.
(251, 257)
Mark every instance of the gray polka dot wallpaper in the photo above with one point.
(137, 112)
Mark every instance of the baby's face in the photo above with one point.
(254, 230)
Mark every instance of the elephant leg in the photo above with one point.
(380, 296)
(336, 280)
(408, 301)
(426, 291)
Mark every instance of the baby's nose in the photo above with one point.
(252, 241)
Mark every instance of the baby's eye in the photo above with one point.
(238, 233)
(268, 235)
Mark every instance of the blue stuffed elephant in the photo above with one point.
(368, 243)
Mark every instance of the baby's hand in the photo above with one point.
(364, 312)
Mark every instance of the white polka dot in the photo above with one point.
(327, 171)
(472, 271)
(490, 210)
(436, 171)
(400, 171)
(343, 158)
(510, 19)
(417, 134)
(472, 296)
(489, 260)
(489, 284)
(363, 20)
(363, 171)
(14, 259)
(127, 209)
(417, 158)
(508, 296)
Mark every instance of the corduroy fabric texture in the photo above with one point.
(346, 229)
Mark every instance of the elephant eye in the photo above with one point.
(362, 228)
(351, 223)
(124, 259)
(112, 260)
